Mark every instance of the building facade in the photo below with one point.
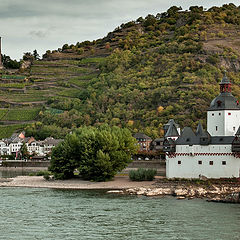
(214, 153)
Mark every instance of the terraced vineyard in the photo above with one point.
(23, 96)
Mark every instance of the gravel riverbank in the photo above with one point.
(212, 190)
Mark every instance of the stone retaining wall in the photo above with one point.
(25, 164)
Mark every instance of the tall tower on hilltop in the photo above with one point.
(223, 116)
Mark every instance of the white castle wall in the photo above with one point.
(190, 168)
(223, 123)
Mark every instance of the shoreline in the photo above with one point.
(215, 191)
(118, 183)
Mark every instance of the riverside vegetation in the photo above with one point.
(97, 153)
(137, 77)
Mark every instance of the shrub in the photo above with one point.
(142, 174)
(42, 173)
(46, 176)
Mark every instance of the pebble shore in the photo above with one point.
(216, 191)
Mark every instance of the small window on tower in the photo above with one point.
(179, 162)
(216, 128)
(229, 114)
(210, 162)
(219, 114)
(224, 163)
(200, 162)
(219, 103)
(234, 128)
(212, 114)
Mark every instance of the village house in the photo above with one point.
(13, 145)
(143, 140)
(214, 153)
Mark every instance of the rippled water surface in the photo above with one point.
(63, 214)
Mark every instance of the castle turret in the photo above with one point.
(172, 131)
(223, 117)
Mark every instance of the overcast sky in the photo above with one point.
(26, 25)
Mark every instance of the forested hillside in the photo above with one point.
(139, 76)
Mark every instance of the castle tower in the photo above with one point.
(223, 116)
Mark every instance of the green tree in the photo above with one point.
(36, 55)
(28, 57)
(98, 153)
(24, 151)
(9, 63)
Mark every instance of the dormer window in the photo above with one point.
(188, 139)
(219, 103)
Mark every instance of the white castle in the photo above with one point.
(214, 153)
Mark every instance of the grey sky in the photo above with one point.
(26, 25)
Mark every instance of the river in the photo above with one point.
(30, 213)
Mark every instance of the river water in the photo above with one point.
(28, 213)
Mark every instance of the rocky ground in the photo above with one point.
(223, 190)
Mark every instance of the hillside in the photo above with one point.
(138, 76)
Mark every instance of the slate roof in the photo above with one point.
(171, 121)
(141, 136)
(172, 130)
(222, 140)
(224, 101)
(200, 130)
(188, 137)
(225, 80)
(238, 132)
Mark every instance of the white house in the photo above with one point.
(4, 148)
(15, 145)
(214, 153)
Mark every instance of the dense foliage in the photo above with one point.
(9, 63)
(97, 153)
(139, 76)
(142, 174)
(160, 68)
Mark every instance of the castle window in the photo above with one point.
(229, 114)
(224, 163)
(200, 162)
(216, 128)
(179, 162)
(234, 128)
(219, 114)
(210, 162)
(219, 103)
(212, 114)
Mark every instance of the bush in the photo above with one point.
(42, 173)
(142, 174)
(46, 176)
